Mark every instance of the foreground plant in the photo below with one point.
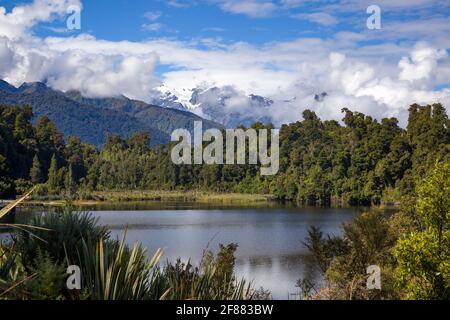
(59, 235)
(113, 271)
(423, 256)
(213, 279)
(412, 248)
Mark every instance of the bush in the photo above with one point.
(47, 280)
(367, 240)
(61, 237)
(423, 256)
(214, 279)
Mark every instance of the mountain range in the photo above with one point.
(225, 105)
(93, 119)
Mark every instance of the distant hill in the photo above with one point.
(93, 119)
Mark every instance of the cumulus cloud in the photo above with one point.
(25, 58)
(102, 75)
(421, 64)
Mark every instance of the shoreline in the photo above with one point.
(104, 197)
(205, 198)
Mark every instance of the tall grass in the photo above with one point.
(113, 271)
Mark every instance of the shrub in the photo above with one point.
(113, 271)
(64, 238)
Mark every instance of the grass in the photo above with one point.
(163, 196)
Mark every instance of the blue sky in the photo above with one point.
(124, 20)
(286, 50)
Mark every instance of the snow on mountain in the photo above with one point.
(225, 105)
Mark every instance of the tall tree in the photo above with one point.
(53, 176)
(36, 171)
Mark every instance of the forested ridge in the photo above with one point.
(93, 119)
(360, 162)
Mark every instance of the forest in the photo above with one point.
(359, 162)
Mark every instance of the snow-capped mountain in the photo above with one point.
(225, 105)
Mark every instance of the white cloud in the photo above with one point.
(322, 18)
(14, 24)
(422, 63)
(153, 15)
(6, 55)
(152, 18)
(251, 8)
(179, 3)
(102, 75)
(292, 3)
(25, 58)
(152, 26)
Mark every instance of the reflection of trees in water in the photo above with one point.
(302, 264)
(311, 270)
(311, 280)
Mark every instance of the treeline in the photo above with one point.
(362, 162)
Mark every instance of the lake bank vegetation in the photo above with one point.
(362, 162)
(411, 248)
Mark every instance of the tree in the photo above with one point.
(50, 141)
(69, 182)
(36, 171)
(423, 256)
(53, 176)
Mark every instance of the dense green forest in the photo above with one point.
(361, 162)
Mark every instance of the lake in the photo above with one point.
(270, 239)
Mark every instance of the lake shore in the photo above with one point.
(100, 197)
(189, 196)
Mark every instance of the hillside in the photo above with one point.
(94, 119)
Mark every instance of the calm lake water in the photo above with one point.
(270, 239)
